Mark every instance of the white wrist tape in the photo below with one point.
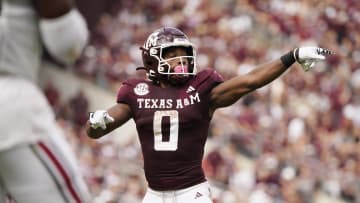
(65, 37)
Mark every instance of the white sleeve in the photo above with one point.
(65, 37)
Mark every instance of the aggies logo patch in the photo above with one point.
(141, 89)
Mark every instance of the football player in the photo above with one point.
(173, 107)
(36, 163)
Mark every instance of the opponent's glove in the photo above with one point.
(99, 119)
(308, 56)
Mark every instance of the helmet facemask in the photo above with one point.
(175, 69)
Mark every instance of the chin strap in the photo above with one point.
(141, 68)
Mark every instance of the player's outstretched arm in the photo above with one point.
(231, 90)
(102, 122)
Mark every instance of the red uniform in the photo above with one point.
(172, 125)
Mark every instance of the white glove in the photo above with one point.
(99, 119)
(308, 56)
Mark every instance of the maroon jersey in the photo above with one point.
(172, 124)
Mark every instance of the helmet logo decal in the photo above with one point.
(141, 89)
(152, 40)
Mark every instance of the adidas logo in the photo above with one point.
(190, 89)
(198, 194)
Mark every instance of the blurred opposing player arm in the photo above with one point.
(63, 29)
(230, 91)
(102, 122)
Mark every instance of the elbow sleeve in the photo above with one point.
(65, 37)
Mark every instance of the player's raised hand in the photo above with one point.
(99, 119)
(308, 56)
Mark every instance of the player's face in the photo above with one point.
(177, 63)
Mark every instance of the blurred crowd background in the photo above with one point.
(293, 141)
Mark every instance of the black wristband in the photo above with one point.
(288, 59)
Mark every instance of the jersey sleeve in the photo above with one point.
(208, 79)
(124, 93)
(216, 78)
